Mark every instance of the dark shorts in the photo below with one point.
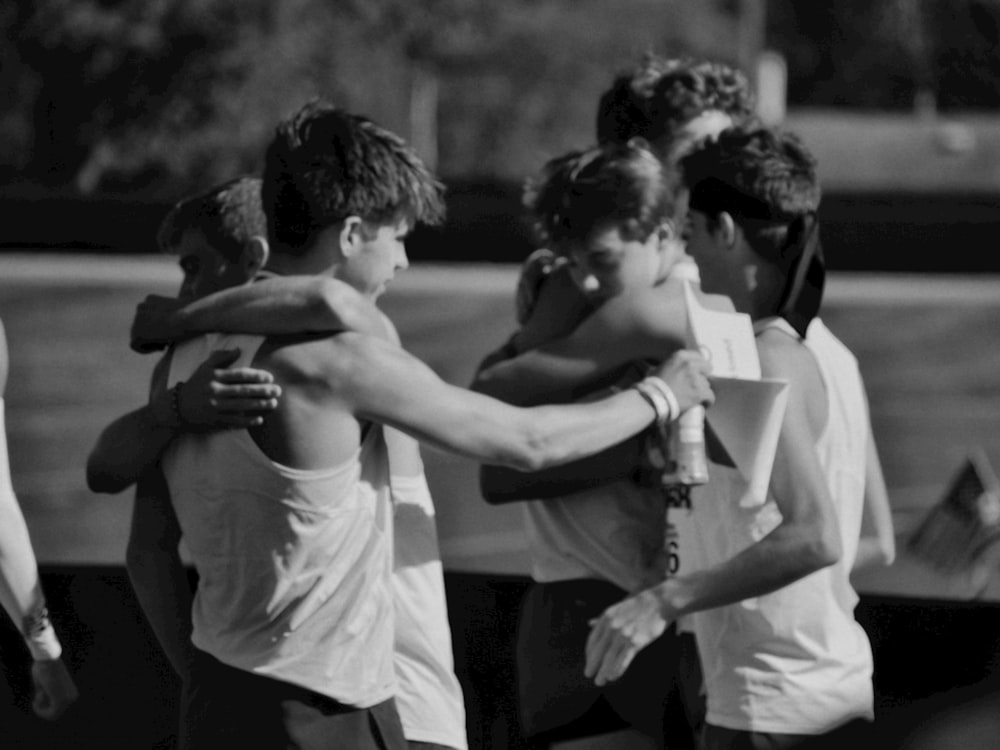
(659, 695)
(855, 734)
(224, 707)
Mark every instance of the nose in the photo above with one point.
(586, 281)
(402, 262)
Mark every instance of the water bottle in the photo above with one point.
(688, 463)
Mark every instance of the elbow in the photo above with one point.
(887, 551)
(821, 551)
(104, 482)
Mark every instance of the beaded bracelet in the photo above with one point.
(175, 403)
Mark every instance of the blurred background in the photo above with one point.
(116, 109)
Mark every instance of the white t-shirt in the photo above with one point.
(429, 696)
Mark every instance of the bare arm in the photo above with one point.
(157, 572)
(21, 588)
(806, 539)
(877, 545)
(408, 395)
(646, 325)
(271, 306)
(214, 397)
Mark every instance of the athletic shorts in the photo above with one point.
(659, 695)
(224, 707)
(854, 734)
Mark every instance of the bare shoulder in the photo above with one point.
(787, 358)
(658, 308)
(325, 360)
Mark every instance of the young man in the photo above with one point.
(288, 523)
(21, 590)
(219, 238)
(767, 578)
(568, 343)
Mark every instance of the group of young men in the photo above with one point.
(280, 443)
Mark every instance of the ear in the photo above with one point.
(727, 229)
(350, 236)
(255, 257)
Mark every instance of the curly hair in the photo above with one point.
(325, 164)
(764, 178)
(622, 184)
(660, 95)
(228, 215)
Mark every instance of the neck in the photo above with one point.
(764, 299)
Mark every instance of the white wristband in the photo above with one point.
(668, 394)
(655, 398)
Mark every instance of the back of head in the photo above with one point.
(658, 97)
(612, 184)
(325, 164)
(228, 215)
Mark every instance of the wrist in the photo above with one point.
(659, 395)
(166, 407)
(40, 636)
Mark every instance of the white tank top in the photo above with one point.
(294, 566)
(429, 697)
(794, 661)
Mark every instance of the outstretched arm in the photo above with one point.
(408, 395)
(21, 589)
(271, 306)
(213, 398)
(806, 539)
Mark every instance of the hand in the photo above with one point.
(215, 397)
(559, 307)
(620, 633)
(152, 326)
(686, 372)
(535, 268)
(54, 688)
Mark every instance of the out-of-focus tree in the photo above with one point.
(155, 97)
(889, 54)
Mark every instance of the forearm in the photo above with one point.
(618, 463)
(20, 586)
(157, 572)
(128, 447)
(788, 554)
(291, 304)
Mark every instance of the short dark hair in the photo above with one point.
(655, 99)
(229, 215)
(764, 178)
(325, 164)
(624, 184)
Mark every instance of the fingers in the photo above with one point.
(243, 375)
(608, 653)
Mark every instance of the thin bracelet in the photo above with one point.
(661, 385)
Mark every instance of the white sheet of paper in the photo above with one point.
(746, 417)
(748, 411)
(725, 338)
